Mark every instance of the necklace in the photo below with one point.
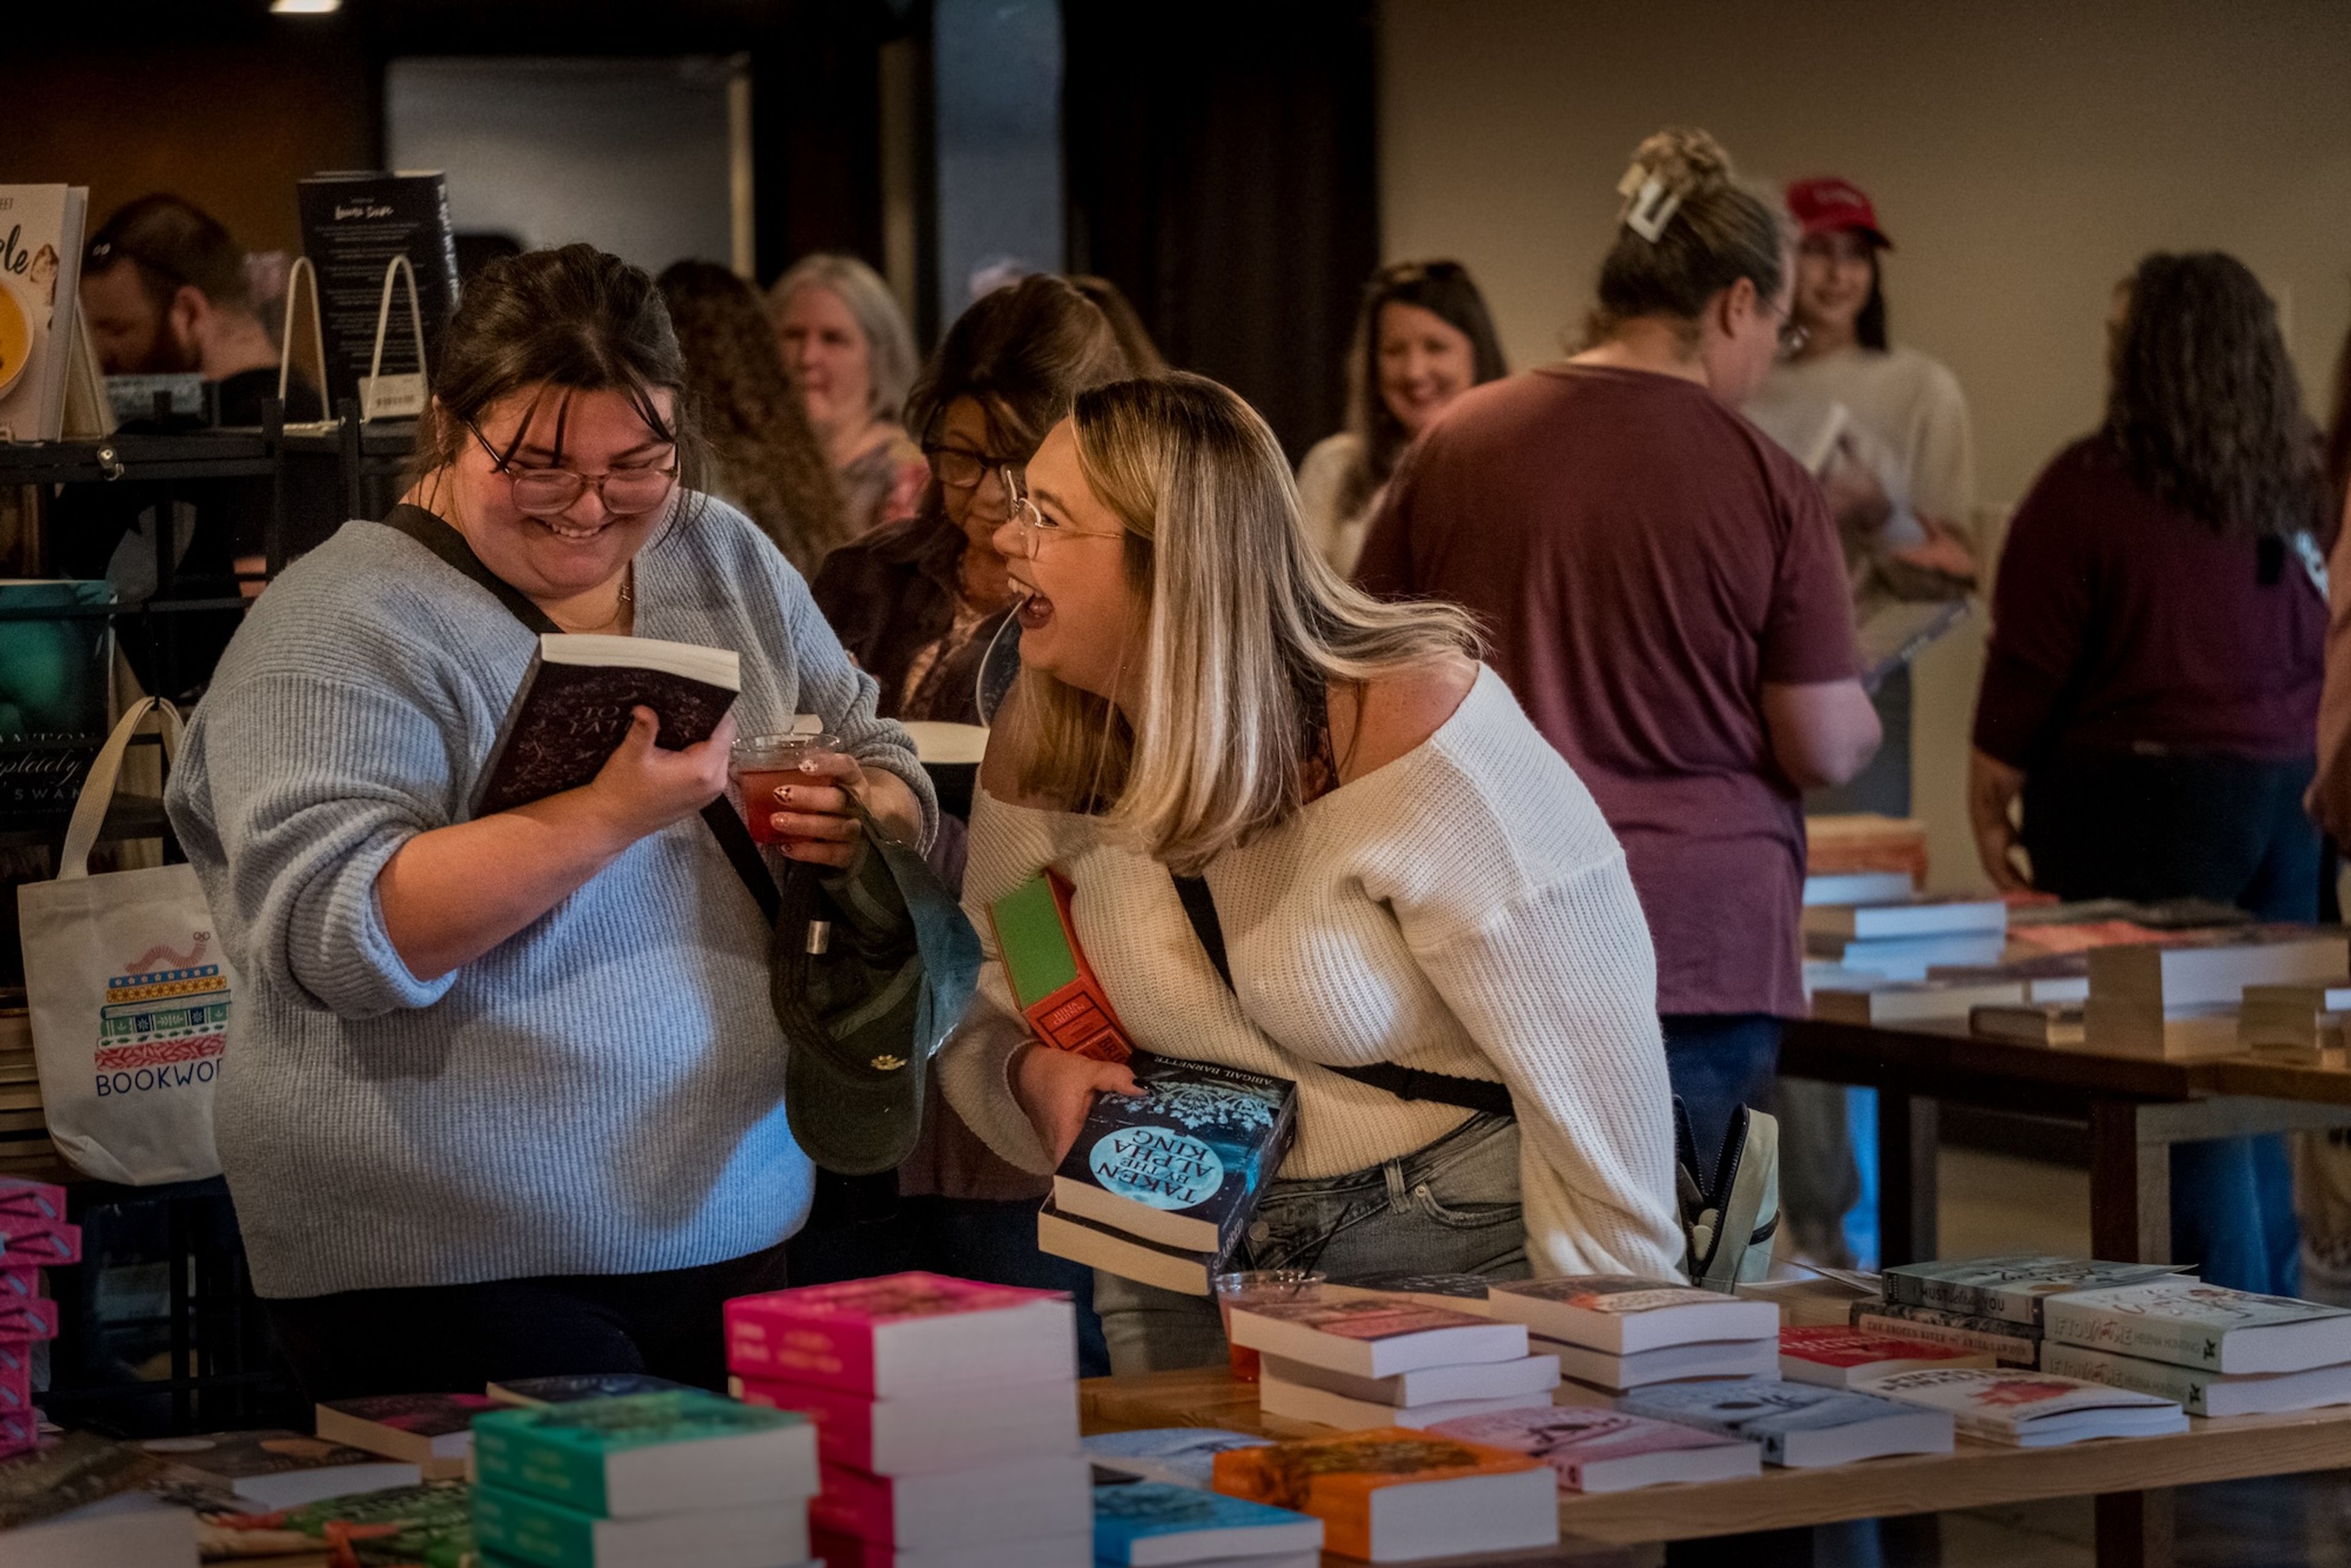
(620, 610)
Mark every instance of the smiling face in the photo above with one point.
(1082, 623)
(1426, 362)
(585, 546)
(829, 356)
(1834, 273)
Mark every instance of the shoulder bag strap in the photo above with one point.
(1404, 1083)
(447, 543)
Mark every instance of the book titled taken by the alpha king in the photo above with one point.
(577, 701)
(1159, 1189)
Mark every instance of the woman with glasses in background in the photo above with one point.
(918, 603)
(1421, 339)
(505, 1093)
(1666, 597)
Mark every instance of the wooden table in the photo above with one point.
(2129, 1476)
(2135, 1109)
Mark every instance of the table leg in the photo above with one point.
(2130, 1185)
(2135, 1529)
(1906, 1177)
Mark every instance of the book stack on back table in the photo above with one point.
(1159, 1189)
(435, 1432)
(1902, 938)
(2217, 1351)
(2030, 1409)
(2179, 1000)
(2295, 1023)
(1991, 1305)
(33, 1236)
(1370, 1359)
(1912, 1001)
(945, 1412)
(1596, 1449)
(1839, 844)
(1395, 1495)
(651, 1479)
(1613, 1331)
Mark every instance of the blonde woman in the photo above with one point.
(1402, 872)
(851, 354)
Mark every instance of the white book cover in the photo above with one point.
(2010, 1286)
(1534, 1374)
(1303, 1402)
(1667, 1363)
(1596, 1449)
(1799, 1425)
(1374, 1336)
(1914, 917)
(40, 273)
(2033, 1409)
(2203, 1392)
(1621, 1314)
(2193, 1325)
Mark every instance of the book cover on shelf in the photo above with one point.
(648, 1453)
(1057, 989)
(1183, 1165)
(1184, 1456)
(904, 1334)
(575, 705)
(1152, 1523)
(2033, 1409)
(354, 223)
(2008, 1345)
(1596, 1449)
(40, 282)
(1797, 1424)
(1335, 1480)
(2200, 1390)
(2012, 1287)
(2191, 1323)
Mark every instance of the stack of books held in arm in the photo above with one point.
(946, 1415)
(2179, 1000)
(1611, 1333)
(644, 1480)
(1990, 1306)
(34, 1235)
(2217, 1351)
(1358, 1358)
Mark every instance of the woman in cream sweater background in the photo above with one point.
(1403, 870)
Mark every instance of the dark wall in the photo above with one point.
(1222, 170)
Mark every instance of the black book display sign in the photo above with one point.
(357, 229)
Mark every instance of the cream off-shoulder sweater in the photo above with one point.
(1464, 909)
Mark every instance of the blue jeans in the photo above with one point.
(1718, 1062)
(1450, 1208)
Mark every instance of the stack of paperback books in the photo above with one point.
(1991, 1305)
(1394, 1495)
(1797, 1424)
(34, 1235)
(435, 1432)
(647, 1480)
(2030, 1409)
(946, 1413)
(1612, 1332)
(1846, 1358)
(2217, 1351)
(2180, 1000)
(1159, 1189)
(1596, 1449)
(1900, 938)
(1367, 1359)
(1159, 1524)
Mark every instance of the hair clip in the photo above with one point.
(1652, 205)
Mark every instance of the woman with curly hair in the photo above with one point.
(2150, 694)
(765, 459)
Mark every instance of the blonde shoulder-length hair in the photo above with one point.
(1246, 630)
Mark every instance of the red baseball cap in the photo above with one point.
(1826, 206)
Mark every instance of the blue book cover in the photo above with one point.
(1183, 1166)
(1761, 1410)
(1184, 1456)
(1215, 1526)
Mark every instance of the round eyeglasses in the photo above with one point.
(1033, 527)
(546, 492)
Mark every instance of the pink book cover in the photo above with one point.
(20, 1284)
(1367, 1317)
(844, 1422)
(19, 1430)
(31, 1199)
(837, 1551)
(856, 1504)
(38, 1243)
(27, 1318)
(1830, 1346)
(16, 1389)
(824, 1333)
(1569, 1437)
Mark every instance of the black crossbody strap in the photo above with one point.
(1404, 1083)
(437, 536)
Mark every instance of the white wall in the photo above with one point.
(2022, 155)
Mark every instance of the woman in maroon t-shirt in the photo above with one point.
(2151, 687)
(1665, 595)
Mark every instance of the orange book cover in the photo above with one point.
(1058, 991)
(1333, 1477)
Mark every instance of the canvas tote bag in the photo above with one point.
(130, 995)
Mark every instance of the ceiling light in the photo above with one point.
(305, 8)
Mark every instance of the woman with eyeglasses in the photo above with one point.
(1666, 597)
(1421, 339)
(504, 1095)
(919, 603)
(1402, 875)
